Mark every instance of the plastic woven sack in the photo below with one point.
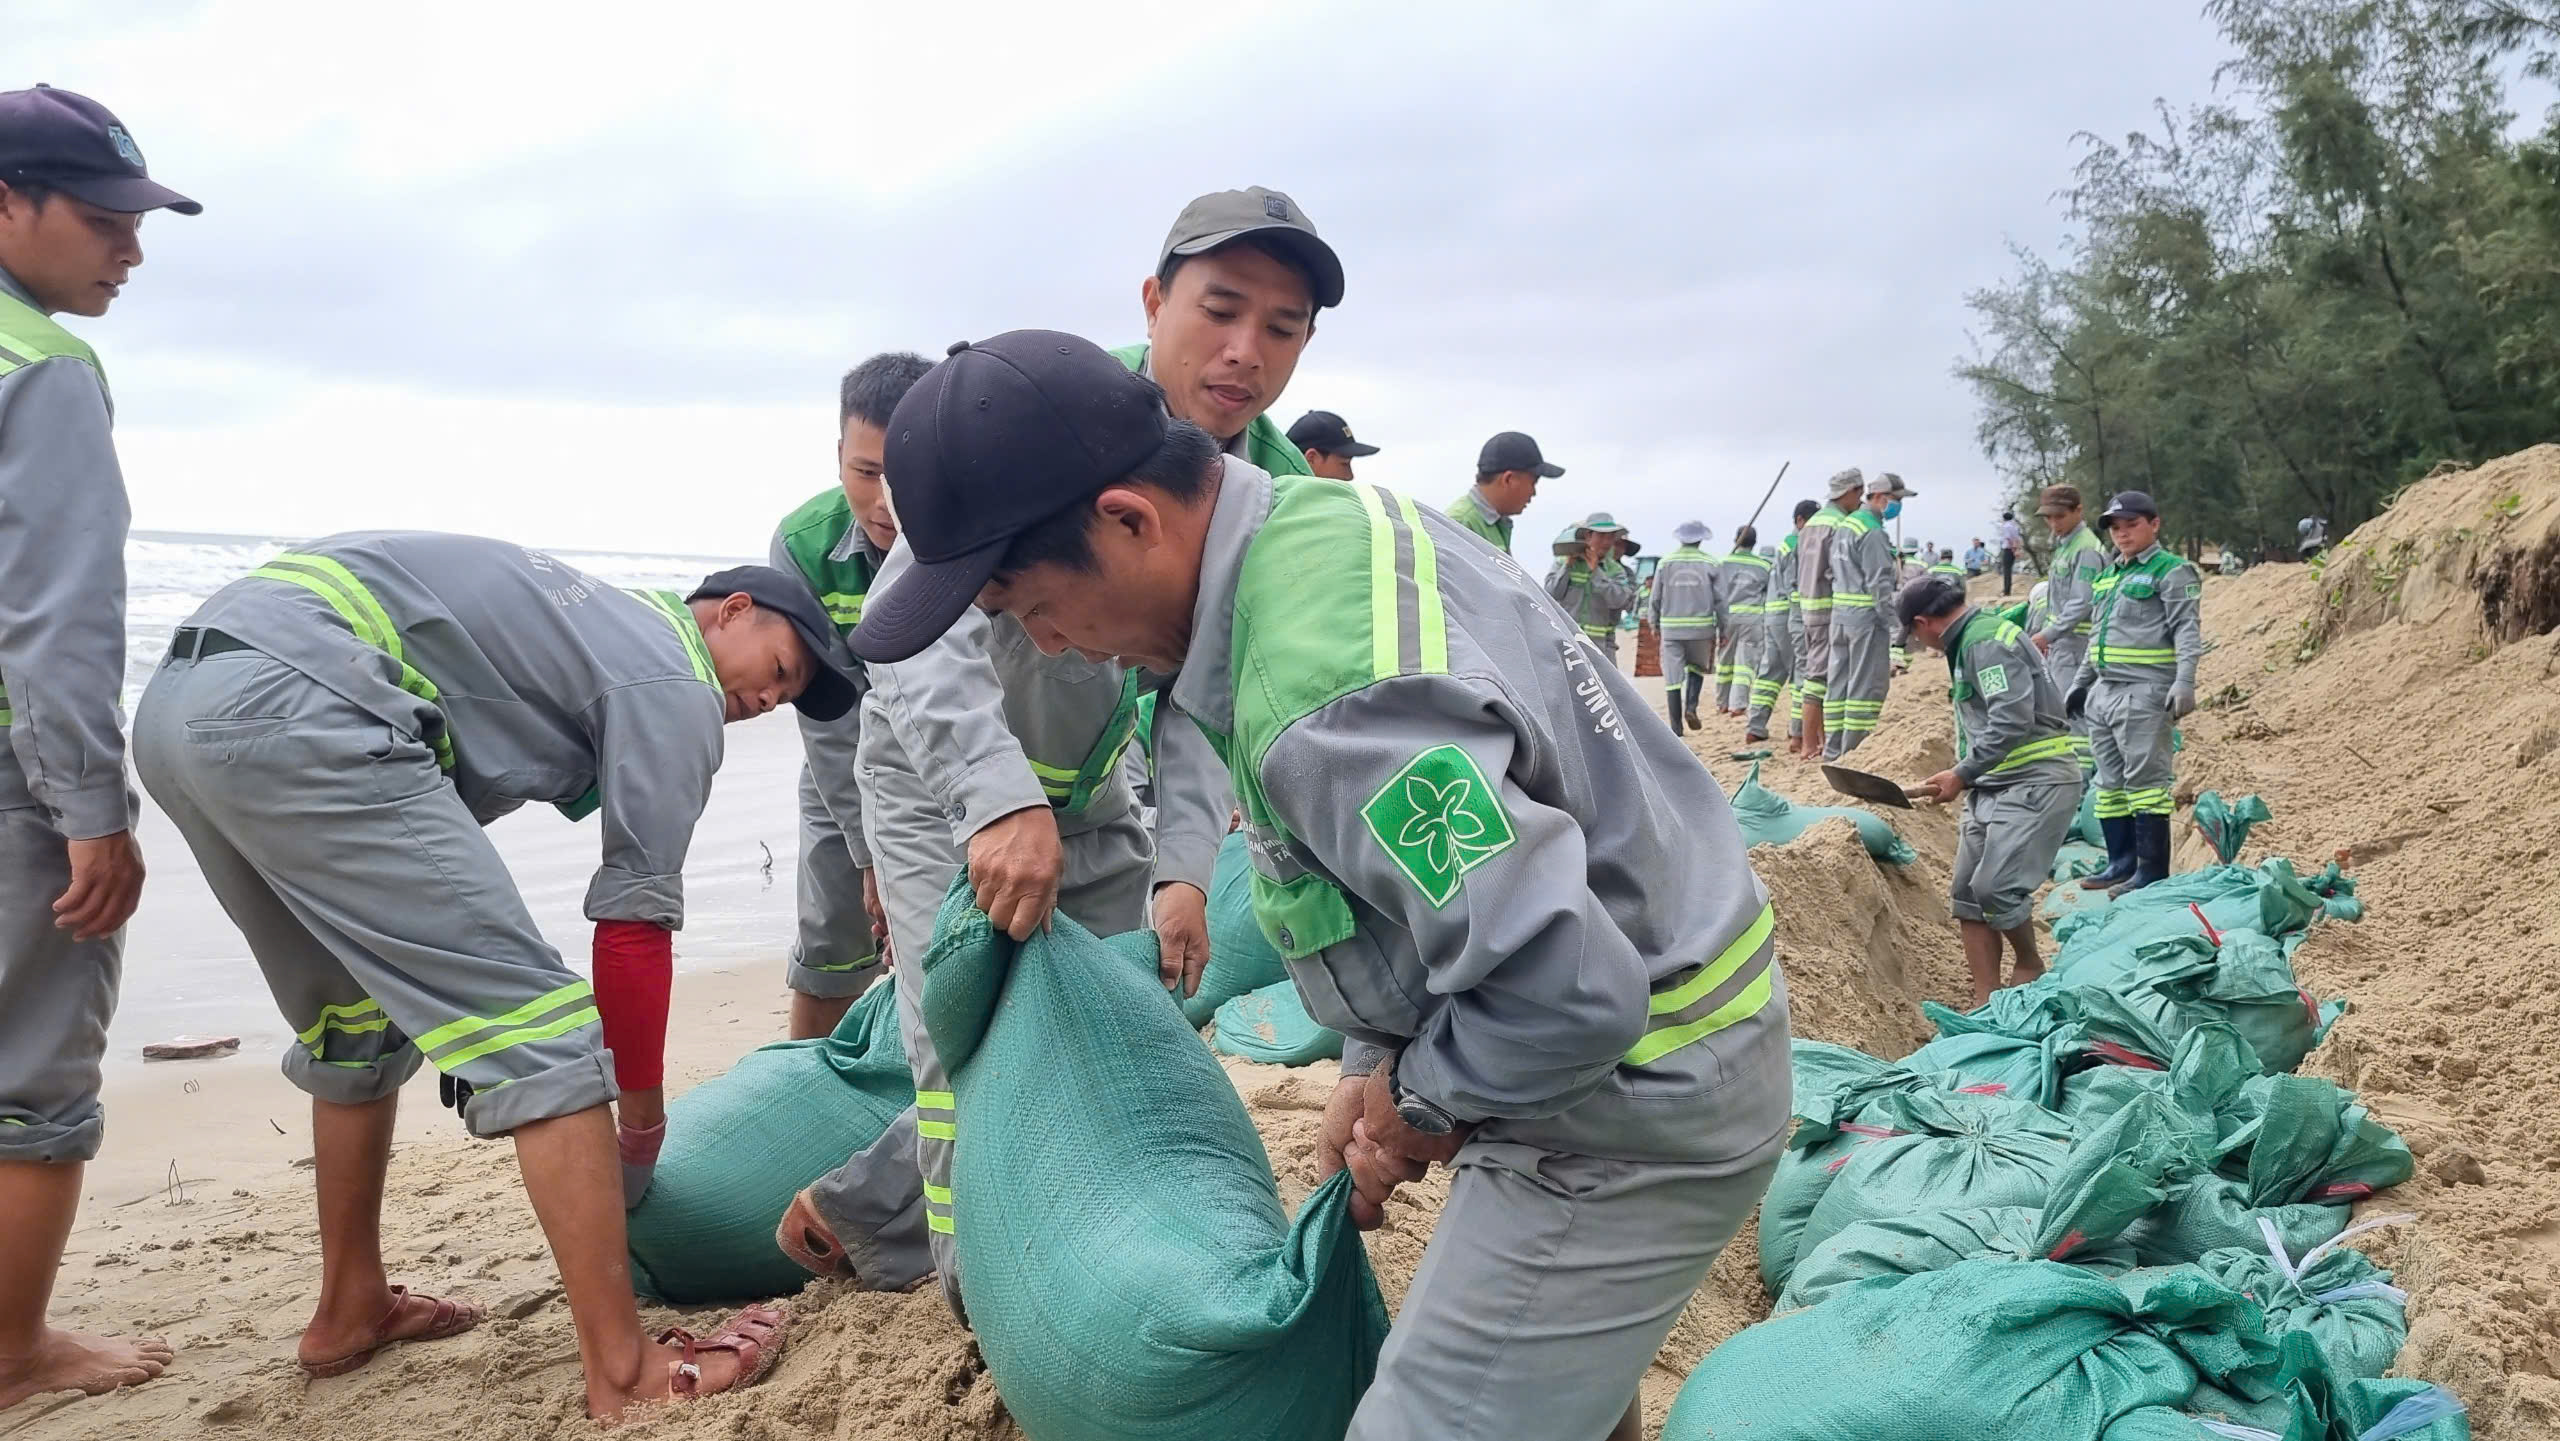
(1916, 1245)
(1952, 1151)
(2245, 982)
(2026, 1070)
(2084, 824)
(2207, 1213)
(2206, 1080)
(2227, 823)
(1981, 1349)
(1272, 1026)
(1127, 1265)
(1241, 957)
(741, 1145)
(1770, 819)
(2314, 1403)
(2302, 1139)
(2336, 1296)
(2269, 899)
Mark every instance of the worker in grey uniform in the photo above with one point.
(73, 192)
(983, 752)
(1685, 613)
(1521, 900)
(1742, 587)
(1863, 581)
(1827, 531)
(329, 734)
(2016, 771)
(835, 542)
(1784, 645)
(2137, 680)
(2070, 591)
(1593, 583)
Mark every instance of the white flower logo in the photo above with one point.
(1442, 826)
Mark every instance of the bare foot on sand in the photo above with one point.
(70, 1361)
(331, 1347)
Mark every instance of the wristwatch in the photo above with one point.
(1415, 1111)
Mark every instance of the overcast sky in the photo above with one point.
(584, 276)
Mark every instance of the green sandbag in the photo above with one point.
(2227, 823)
(2027, 1070)
(1821, 1070)
(1121, 1245)
(1241, 957)
(1916, 1245)
(1981, 1349)
(2207, 1213)
(2084, 824)
(2269, 899)
(1770, 819)
(741, 1145)
(2336, 1296)
(2204, 1086)
(1834, 1086)
(1954, 1152)
(2246, 982)
(1272, 1026)
(2314, 1403)
(2303, 1139)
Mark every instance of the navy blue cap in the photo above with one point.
(2129, 502)
(1326, 433)
(77, 146)
(830, 691)
(1003, 435)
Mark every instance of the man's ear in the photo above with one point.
(1133, 513)
(734, 609)
(1151, 300)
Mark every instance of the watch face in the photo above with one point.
(1422, 1116)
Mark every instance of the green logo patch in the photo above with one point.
(1995, 680)
(1438, 819)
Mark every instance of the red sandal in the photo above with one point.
(805, 1237)
(754, 1334)
(451, 1318)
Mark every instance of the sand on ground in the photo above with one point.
(2401, 705)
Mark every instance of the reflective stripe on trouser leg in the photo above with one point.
(1777, 668)
(56, 997)
(833, 956)
(2130, 733)
(1804, 678)
(372, 899)
(1861, 669)
(1549, 1286)
(1679, 657)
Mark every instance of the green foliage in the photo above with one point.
(2299, 299)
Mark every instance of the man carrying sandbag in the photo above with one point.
(835, 542)
(329, 734)
(2138, 678)
(1593, 583)
(985, 753)
(2017, 769)
(1519, 897)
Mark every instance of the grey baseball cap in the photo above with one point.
(1272, 218)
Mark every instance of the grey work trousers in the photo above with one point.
(1550, 1284)
(2130, 728)
(1109, 871)
(2063, 664)
(389, 930)
(1861, 669)
(56, 997)
(1779, 644)
(2005, 845)
(833, 956)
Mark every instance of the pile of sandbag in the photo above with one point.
(2099, 1209)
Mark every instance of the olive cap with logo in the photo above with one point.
(71, 143)
(1004, 434)
(1267, 217)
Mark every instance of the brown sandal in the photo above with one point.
(755, 1334)
(451, 1318)
(805, 1237)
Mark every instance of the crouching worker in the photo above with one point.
(1484, 859)
(329, 734)
(2017, 768)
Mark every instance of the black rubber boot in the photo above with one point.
(2120, 857)
(1695, 681)
(2151, 854)
(1671, 703)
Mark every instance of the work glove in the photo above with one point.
(2076, 702)
(2182, 700)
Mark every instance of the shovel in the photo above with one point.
(1866, 787)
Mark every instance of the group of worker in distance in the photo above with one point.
(1519, 896)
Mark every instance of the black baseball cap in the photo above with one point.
(830, 692)
(1513, 451)
(77, 146)
(1272, 219)
(1003, 435)
(2129, 502)
(1326, 433)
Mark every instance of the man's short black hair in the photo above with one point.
(34, 192)
(1746, 537)
(1180, 468)
(1807, 510)
(873, 389)
(1931, 596)
(1173, 266)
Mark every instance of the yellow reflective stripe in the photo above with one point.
(1047, 772)
(842, 608)
(2034, 751)
(1741, 1008)
(936, 1101)
(939, 1195)
(1688, 620)
(938, 1222)
(456, 1030)
(1858, 597)
(384, 634)
(336, 1018)
(2136, 655)
(679, 618)
(364, 615)
(937, 1131)
(1382, 586)
(1718, 971)
(504, 1039)
(1599, 630)
(1426, 588)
